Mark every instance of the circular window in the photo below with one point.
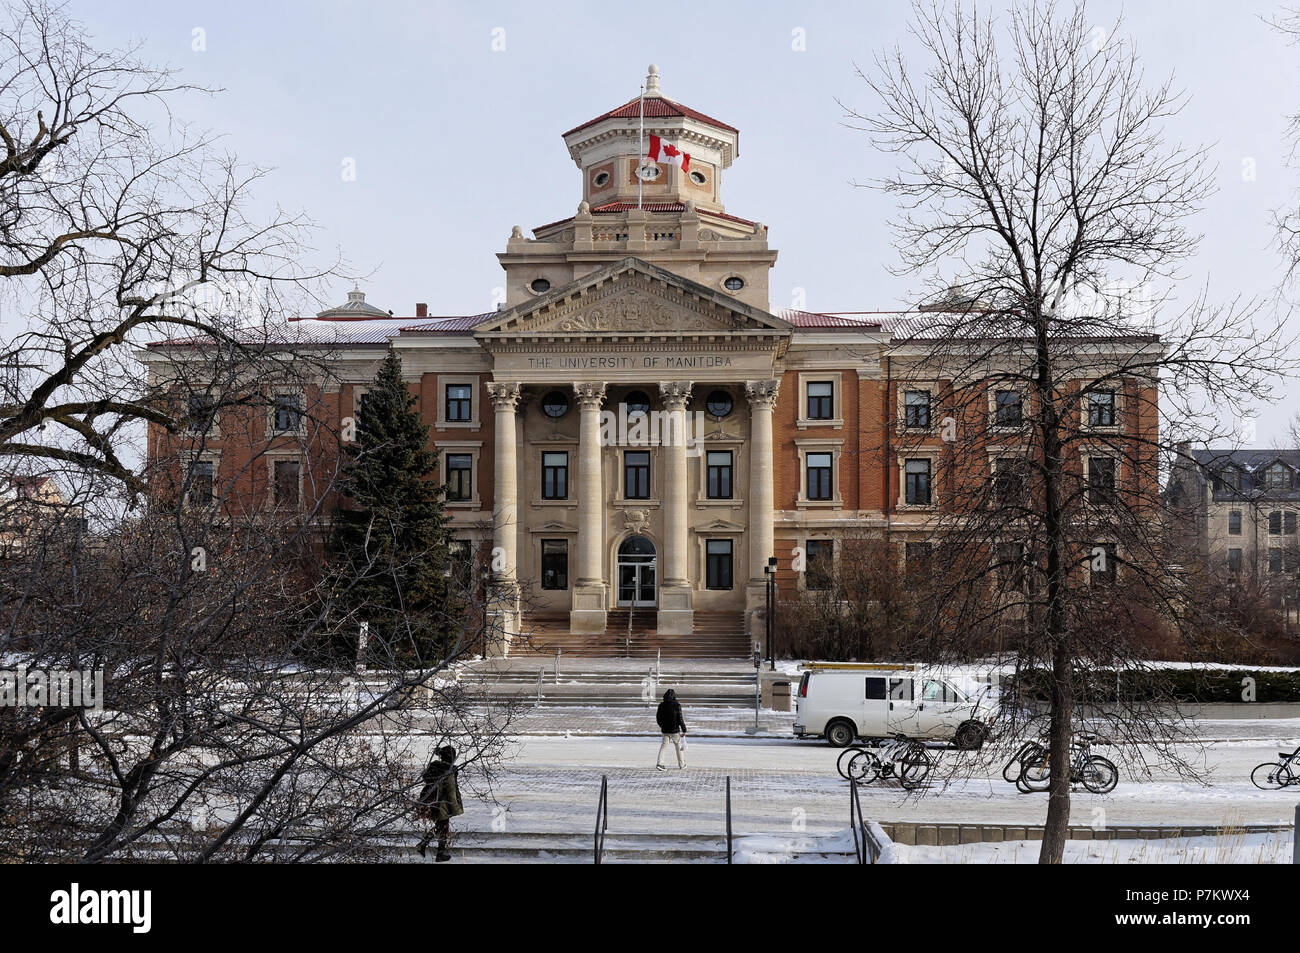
(647, 172)
(699, 178)
(555, 404)
(637, 402)
(540, 286)
(733, 283)
(719, 403)
(601, 180)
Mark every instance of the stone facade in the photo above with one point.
(761, 430)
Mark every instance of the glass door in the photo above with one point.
(636, 584)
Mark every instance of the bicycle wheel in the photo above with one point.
(1268, 777)
(1036, 775)
(1099, 775)
(847, 755)
(864, 767)
(914, 769)
(1027, 752)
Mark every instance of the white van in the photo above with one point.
(849, 700)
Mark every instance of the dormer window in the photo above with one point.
(1231, 478)
(1277, 477)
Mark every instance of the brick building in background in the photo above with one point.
(652, 299)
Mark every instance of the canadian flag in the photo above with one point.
(668, 154)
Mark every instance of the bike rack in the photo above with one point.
(602, 819)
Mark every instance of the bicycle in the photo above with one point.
(1027, 753)
(1099, 775)
(902, 757)
(1285, 772)
(847, 755)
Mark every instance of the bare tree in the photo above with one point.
(1035, 175)
(113, 231)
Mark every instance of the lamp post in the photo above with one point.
(770, 571)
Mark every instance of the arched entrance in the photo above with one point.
(638, 567)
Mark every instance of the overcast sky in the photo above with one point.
(452, 113)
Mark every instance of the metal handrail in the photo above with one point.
(858, 823)
(602, 818)
(729, 819)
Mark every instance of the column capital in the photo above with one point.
(589, 393)
(762, 393)
(504, 394)
(676, 394)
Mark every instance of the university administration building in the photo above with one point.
(635, 427)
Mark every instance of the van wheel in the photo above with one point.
(840, 733)
(970, 736)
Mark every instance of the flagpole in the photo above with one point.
(640, 145)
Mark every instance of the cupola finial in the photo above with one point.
(652, 81)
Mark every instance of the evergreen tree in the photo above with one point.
(391, 543)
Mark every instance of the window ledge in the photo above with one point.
(805, 424)
(540, 502)
(701, 504)
(819, 504)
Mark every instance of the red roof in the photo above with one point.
(817, 319)
(656, 107)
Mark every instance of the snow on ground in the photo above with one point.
(1227, 848)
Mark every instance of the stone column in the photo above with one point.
(588, 610)
(762, 496)
(676, 615)
(505, 514)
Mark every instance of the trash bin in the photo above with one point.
(780, 696)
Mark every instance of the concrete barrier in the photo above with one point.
(952, 835)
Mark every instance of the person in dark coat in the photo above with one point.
(673, 726)
(440, 801)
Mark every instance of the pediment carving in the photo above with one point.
(633, 307)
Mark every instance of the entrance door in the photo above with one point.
(637, 573)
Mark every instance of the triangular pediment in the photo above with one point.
(632, 297)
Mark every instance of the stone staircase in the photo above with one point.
(608, 683)
(631, 633)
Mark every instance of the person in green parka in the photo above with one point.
(440, 800)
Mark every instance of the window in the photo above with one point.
(1101, 408)
(1231, 478)
(717, 568)
(719, 404)
(819, 476)
(1234, 560)
(876, 688)
(734, 283)
(901, 689)
(1104, 562)
(555, 404)
(1275, 523)
(555, 564)
(600, 180)
(718, 475)
(820, 563)
(636, 475)
(460, 473)
(916, 477)
(540, 285)
(1234, 523)
(637, 402)
(459, 560)
(286, 482)
(555, 476)
(199, 412)
(1288, 523)
(916, 557)
(288, 413)
(1007, 408)
(916, 409)
(1275, 560)
(1101, 479)
(459, 399)
(1277, 477)
(821, 400)
(699, 178)
(1009, 481)
(1011, 565)
(202, 483)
